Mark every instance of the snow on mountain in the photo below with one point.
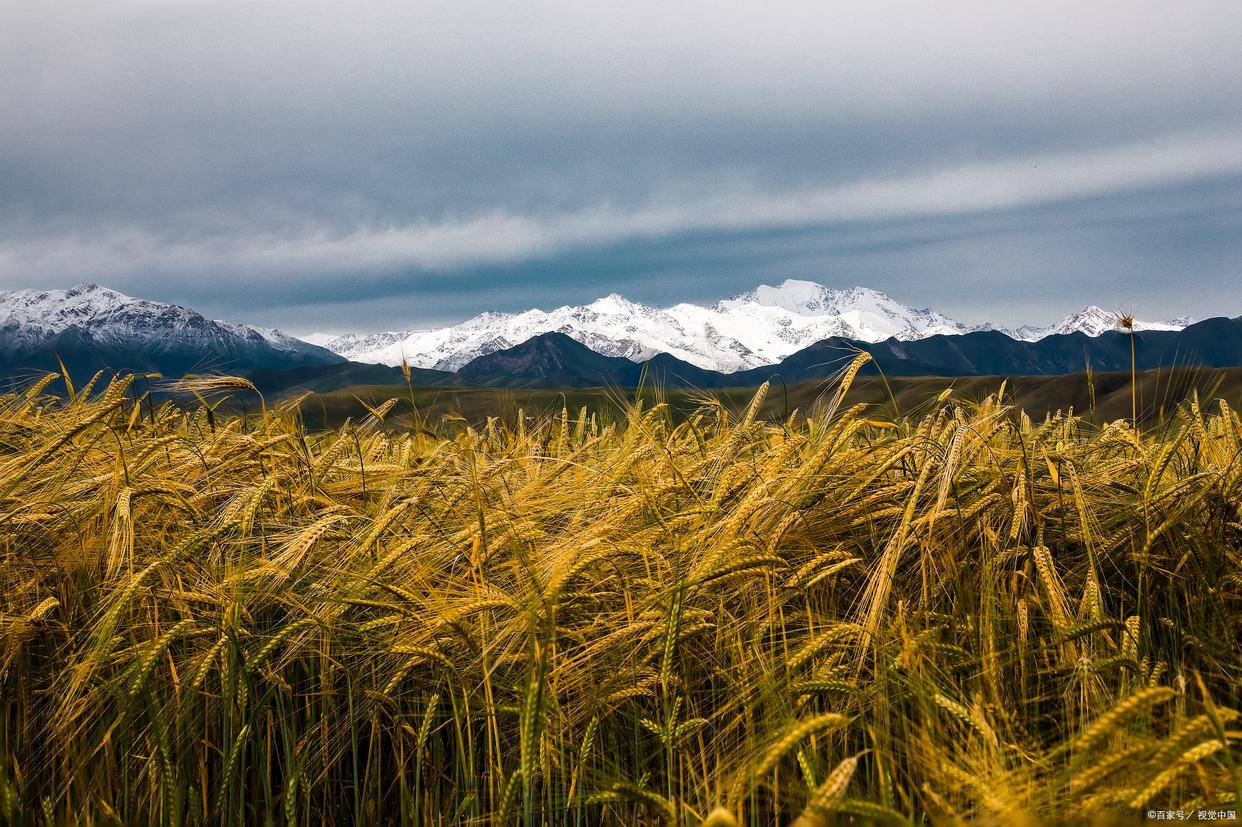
(361, 343)
(756, 328)
(31, 319)
(858, 313)
(1092, 320)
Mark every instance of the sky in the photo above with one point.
(365, 166)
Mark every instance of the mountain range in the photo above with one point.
(750, 330)
(557, 360)
(797, 330)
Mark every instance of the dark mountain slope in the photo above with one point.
(83, 353)
(550, 360)
(554, 360)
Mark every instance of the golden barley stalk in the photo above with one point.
(1188, 759)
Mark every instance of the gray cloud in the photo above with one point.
(324, 159)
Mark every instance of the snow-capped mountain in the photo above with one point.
(96, 326)
(752, 329)
(1092, 320)
(90, 328)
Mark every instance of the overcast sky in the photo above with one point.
(334, 166)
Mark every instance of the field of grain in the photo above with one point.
(964, 616)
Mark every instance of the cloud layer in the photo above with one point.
(392, 164)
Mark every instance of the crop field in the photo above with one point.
(967, 615)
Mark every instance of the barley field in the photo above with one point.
(959, 615)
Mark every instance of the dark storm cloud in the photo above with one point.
(331, 166)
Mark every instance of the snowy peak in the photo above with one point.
(1093, 320)
(864, 313)
(36, 323)
(57, 309)
(806, 298)
(614, 304)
